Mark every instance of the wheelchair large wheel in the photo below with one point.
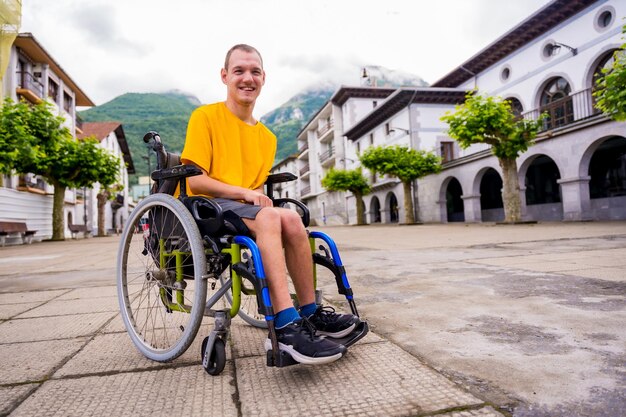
(160, 277)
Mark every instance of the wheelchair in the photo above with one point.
(181, 258)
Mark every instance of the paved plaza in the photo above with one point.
(467, 320)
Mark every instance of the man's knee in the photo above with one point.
(267, 220)
(291, 224)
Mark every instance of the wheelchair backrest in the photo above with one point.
(167, 186)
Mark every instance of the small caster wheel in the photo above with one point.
(217, 357)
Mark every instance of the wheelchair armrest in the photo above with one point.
(306, 216)
(178, 172)
(280, 177)
(207, 214)
(275, 179)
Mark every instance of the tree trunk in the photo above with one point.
(408, 203)
(58, 220)
(102, 202)
(360, 214)
(511, 191)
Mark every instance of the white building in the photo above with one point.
(547, 63)
(33, 75)
(111, 137)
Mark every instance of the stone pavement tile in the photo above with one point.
(8, 311)
(547, 266)
(249, 341)
(482, 412)
(72, 307)
(586, 260)
(185, 391)
(55, 327)
(10, 396)
(378, 379)
(115, 352)
(33, 361)
(90, 292)
(29, 296)
(608, 274)
(115, 326)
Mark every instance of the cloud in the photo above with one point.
(98, 23)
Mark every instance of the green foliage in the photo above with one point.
(610, 90)
(346, 180)
(401, 162)
(37, 142)
(487, 119)
(166, 113)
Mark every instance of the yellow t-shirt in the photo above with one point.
(228, 149)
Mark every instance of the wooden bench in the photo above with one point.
(78, 228)
(15, 229)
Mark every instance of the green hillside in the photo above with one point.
(166, 113)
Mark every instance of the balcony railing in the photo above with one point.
(305, 190)
(26, 81)
(304, 169)
(303, 147)
(322, 130)
(327, 154)
(570, 109)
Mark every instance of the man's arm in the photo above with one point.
(203, 184)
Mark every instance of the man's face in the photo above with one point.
(244, 78)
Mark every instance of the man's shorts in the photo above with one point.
(234, 211)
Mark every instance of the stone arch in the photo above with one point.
(489, 183)
(455, 207)
(392, 209)
(375, 214)
(605, 162)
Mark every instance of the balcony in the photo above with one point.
(328, 156)
(305, 191)
(303, 150)
(304, 170)
(29, 87)
(568, 110)
(324, 132)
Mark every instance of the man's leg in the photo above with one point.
(295, 336)
(300, 265)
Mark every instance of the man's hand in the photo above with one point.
(258, 199)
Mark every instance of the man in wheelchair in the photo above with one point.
(235, 153)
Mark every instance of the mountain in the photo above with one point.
(166, 113)
(289, 119)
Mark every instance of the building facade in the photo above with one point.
(547, 64)
(33, 75)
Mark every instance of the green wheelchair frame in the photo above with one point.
(176, 252)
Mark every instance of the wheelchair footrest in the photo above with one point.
(357, 334)
(282, 359)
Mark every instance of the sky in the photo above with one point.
(112, 47)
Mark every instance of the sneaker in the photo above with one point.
(300, 341)
(331, 324)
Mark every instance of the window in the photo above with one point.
(53, 90)
(516, 106)
(387, 129)
(67, 102)
(557, 103)
(605, 17)
(371, 139)
(447, 151)
(375, 103)
(505, 74)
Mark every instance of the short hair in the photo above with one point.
(243, 47)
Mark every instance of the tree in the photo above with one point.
(41, 145)
(405, 164)
(610, 90)
(349, 180)
(490, 120)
